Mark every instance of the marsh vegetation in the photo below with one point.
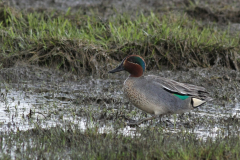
(58, 101)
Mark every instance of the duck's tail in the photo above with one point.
(196, 102)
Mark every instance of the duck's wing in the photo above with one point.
(179, 88)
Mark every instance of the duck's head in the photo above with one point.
(134, 64)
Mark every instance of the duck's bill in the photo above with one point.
(118, 69)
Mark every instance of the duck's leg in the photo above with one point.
(141, 121)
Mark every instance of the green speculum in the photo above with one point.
(182, 97)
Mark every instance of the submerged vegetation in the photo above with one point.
(153, 143)
(74, 44)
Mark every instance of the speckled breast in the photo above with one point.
(136, 97)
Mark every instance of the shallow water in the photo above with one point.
(88, 102)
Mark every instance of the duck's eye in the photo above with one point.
(132, 60)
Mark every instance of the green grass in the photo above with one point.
(166, 39)
(36, 27)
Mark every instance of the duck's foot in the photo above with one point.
(141, 121)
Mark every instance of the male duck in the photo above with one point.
(158, 95)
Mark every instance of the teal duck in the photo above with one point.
(157, 95)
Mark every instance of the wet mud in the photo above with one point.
(48, 97)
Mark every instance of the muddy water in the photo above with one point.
(32, 96)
